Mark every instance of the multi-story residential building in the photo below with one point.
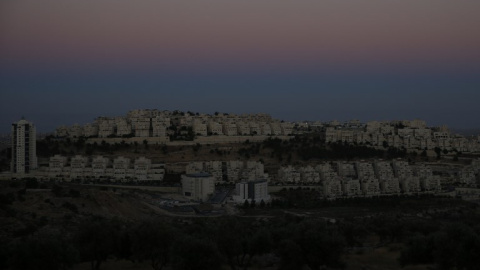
(364, 170)
(389, 186)
(373, 127)
(233, 169)
(194, 167)
(253, 170)
(214, 168)
(410, 185)
(75, 131)
(265, 128)
(99, 167)
(326, 172)
(78, 164)
(230, 129)
(243, 128)
(200, 129)
(402, 169)
(61, 131)
(56, 166)
(214, 128)
(345, 169)
(286, 128)
(198, 187)
(289, 174)
(466, 176)
(254, 128)
(422, 133)
(275, 128)
(156, 172)
(309, 175)
(141, 125)
(24, 147)
(406, 132)
(331, 188)
(90, 130)
(370, 186)
(251, 191)
(122, 127)
(142, 167)
(351, 187)
(121, 168)
(106, 126)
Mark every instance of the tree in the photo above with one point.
(246, 204)
(316, 244)
(191, 253)
(262, 204)
(152, 241)
(96, 240)
(385, 144)
(241, 247)
(45, 250)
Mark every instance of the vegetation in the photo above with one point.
(441, 232)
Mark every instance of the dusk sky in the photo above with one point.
(65, 62)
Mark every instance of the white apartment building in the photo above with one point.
(390, 186)
(286, 128)
(141, 125)
(466, 176)
(326, 172)
(198, 187)
(214, 168)
(351, 187)
(200, 129)
(62, 131)
(275, 128)
(402, 169)
(243, 128)
(214, 128)
(56, 166)
(76, 131)
(99, 167)
(24, 147)
(251, 191)
(106, 126)
(345, 169)
(364, 170)
(78, 164)
(428, 182)
(289, 174)
(384, 173)
(121, 168)
(90, 130)
(410, 185)
(142, 167)
(309, 175)
(230, 129)
(233, 169)
(254, 128)
(331, 188)
(370, 186)
(265, 128)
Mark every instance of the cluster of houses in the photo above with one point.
(99, 168)
(362, 178)
(155, 123)
(400, 134)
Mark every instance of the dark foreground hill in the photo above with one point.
(63, 226)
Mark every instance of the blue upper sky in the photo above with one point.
(297, 60)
